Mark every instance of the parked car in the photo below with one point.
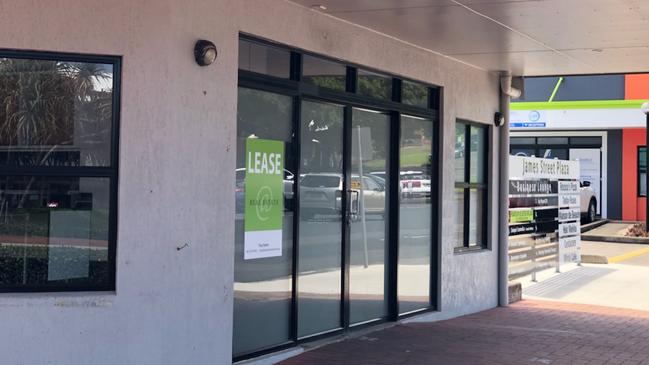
(588, 204)
(321, 193)
(415, 184)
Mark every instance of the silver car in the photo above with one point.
(321, 194)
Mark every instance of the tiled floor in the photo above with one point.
(528, 332)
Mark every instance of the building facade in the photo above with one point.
(124, 201)
(596, 119)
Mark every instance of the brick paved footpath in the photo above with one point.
(528, 332)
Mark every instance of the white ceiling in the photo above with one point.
(526, 37)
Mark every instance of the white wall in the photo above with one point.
(177, 161)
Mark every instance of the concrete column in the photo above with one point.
(503, 223)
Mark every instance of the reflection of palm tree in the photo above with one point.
(41, 100)
(47, 104)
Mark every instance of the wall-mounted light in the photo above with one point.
(499, 119)
(205, 52)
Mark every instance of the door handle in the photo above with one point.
(353, 208)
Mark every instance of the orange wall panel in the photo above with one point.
(633, 208)
(636, 86)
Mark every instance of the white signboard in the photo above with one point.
(569, 229)
(569, 249)
(521, 167)
(569, 200)
(568, 187)
(571, 214)
(588, 119)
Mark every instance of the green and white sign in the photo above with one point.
(521, 215)
(264, 198)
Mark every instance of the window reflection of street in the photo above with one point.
(415, 214)
(320, 229)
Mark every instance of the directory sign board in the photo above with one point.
(544, 214)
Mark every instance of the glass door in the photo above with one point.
(369, 212)
(342, 238)
(320, 239)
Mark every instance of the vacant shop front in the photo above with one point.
(353, 155)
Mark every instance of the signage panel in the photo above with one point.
(569, 214)
(569, 200)
(264, 198)
(521, 167)
(525, 187)
(534, 202)
(570, 249)
(569, 229)
(568, 187)
(544, 214)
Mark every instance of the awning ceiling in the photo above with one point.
(526, 37)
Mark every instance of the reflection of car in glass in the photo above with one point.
(415, 184)
(321, 193)
(240, 189)
(588, 203)
(380, 174)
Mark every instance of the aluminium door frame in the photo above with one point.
(299, 92)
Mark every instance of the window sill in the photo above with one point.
(58, 299)
(465, 250)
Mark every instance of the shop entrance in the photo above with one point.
(343, 208)
(355, 242)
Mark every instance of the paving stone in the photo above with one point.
(528, 332)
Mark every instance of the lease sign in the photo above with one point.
(264, 198)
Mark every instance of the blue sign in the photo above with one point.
(527, 125)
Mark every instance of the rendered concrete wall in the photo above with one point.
(177, 161)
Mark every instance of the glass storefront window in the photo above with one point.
(374, 85)
(478, 155)
(320, 240)
(56, 120)
(264, 59)
(642, 171)
(414, 94)
(54, 231)
(55, 113)
(552, 153)
(368, 229)
(338, 158)
(415, 230)
(460, 151)
(263, 287)
(470, 188)
(324, 73)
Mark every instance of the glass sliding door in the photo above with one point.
(415, 233)
(263, 286)
(333, 224)
(368, 227)
(321, 218)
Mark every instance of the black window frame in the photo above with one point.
(350, 98)
(641, 170)
(466, 186)
(110, 172)
(574, 142)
